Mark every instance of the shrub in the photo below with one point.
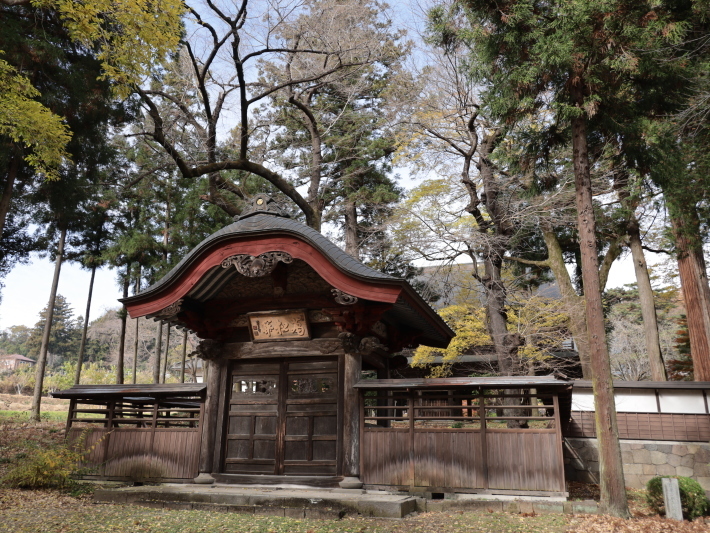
(50, 467)
(692, 496)
(44, 468)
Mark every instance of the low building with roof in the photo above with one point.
(12, 362)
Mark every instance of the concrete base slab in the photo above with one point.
(324, 503)
(274, 501)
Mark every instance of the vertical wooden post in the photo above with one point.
(72, 414)
(484, 437)
(558, 437)
(410, 413)
(209, 427)
(351, 422)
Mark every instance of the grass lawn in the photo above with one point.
(24, 416)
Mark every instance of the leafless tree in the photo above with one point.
(237, 56)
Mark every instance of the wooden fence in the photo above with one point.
(453, 441)
(148, 440)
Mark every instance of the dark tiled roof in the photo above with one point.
(502, 382)
(264, 224)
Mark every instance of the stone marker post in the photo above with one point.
(671, 498)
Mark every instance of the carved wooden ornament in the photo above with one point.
(279, 326)
(343, 298)
(255, 267)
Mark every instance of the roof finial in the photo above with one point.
(263, 204)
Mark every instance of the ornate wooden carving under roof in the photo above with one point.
(256, 267)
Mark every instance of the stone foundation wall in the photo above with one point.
(643, 459)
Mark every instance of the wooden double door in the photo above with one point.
(283, 418)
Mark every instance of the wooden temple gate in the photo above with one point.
(288, 324)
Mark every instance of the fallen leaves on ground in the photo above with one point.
(655, 524)
(55, 512)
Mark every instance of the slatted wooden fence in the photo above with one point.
(454, 441)
(146, 440)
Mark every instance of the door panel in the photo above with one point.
(252, 424)
(283, 418)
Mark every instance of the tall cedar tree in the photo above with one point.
(577, 60)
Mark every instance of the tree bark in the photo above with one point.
(351, 245)
(122, 338)
(574, 303)
(135, 341)
(42, 359)
(184, 355)
(611, 474)
(648, 307)
(694, 283)
(158, 350)
(167, 351)
(8, 188)
(82, 347)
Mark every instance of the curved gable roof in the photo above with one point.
(266, 231)
(263, 224)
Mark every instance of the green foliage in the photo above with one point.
(130, 36)
(25, 120)
(692, 496)
(681, 368)
(14, 340)
(65, 334)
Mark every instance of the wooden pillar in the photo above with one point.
(209, 421)
(351, 422)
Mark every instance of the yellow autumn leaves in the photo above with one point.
(130, 36)
(539, 320)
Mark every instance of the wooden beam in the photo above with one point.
(256, 350)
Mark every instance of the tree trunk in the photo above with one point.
(14, 167)
(694, 284)
(82, 347)
(122, 338)
(158, 350)
(184, 355)
(574, 303)
(135, 341)
(611, 474)
(351, 247)
(167, 351)
(42, 359)
(648, 307)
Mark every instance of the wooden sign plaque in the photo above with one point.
(279, 326)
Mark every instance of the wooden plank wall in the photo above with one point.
(385, 456)
(137, 453)
(646, 426)
(524, 461)
(448, 459)
(422, 452)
